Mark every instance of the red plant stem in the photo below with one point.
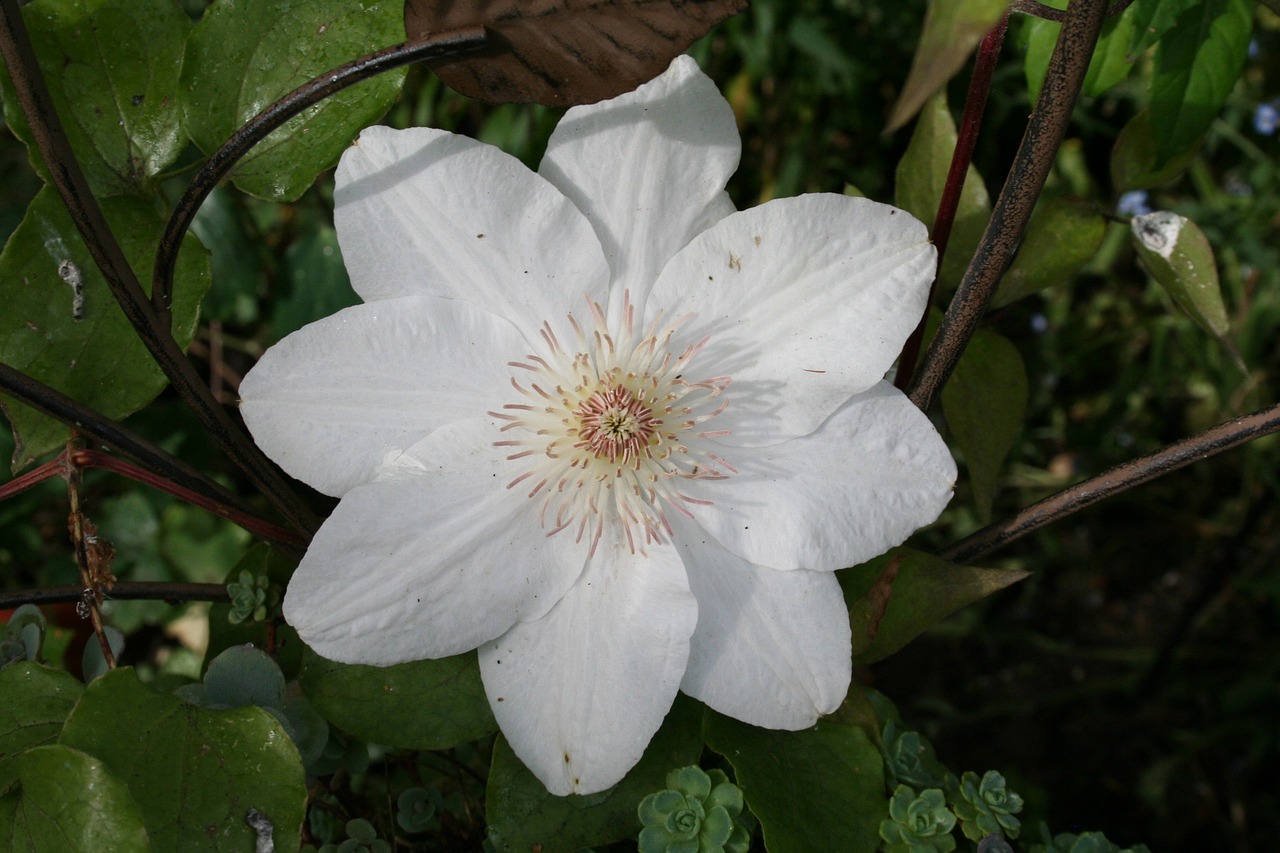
(975, 104)
(255, 525)
(52, 468)
(1017, 199)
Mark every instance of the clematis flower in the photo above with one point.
(600, 426)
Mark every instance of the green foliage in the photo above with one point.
(696, 813)
(1111, 61)
(1064, 234)
(950, 32)
(1178, 256)
(899, 594)
(87, 350)
(22, 636)
(909, 759)
(245, 54)
(817, 789)
(985, 402)
(985, 806)
(430, 704)
(1198, 61)
(34, 703)
(918, 823)
(224, 761)
(41, 813)
(921, 176)
(416, 808)
(119, 106)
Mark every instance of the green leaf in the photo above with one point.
(952, 30)
(428, 704)
(921, 176)
(317, 280)
(258, 560)
(195, 773)
(985, 402)
(899, 594)
(817, 789)
(97, 359)
(112, 70)
(68, 802)
(34, 703)
(1152, 19)
(1178, 256)
(222, 225)
(246, 54)
(1109, 65)
(1135, 164)
(523, 816)
(1197, 64)
(1064, 234)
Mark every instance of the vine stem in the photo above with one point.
(92, 556)
(120, 591)
(153, 466)
(1012, 211)
(69, 180)
(1203, 445)
(975, 104)
(260, 126)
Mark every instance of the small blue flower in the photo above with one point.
(1266, 118)
(1133, 203)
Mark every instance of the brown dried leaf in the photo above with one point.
(564, 52)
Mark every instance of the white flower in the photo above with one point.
(598, 425)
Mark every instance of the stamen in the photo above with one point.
(619, 422)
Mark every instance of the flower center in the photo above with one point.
(610, 429)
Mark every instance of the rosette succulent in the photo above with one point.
(918, 824)
(697, 813)
(986, 806)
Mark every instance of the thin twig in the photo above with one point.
(165, 471)
(1017, 199)
(1211, 442)
(272, 117)
(70, 182)
(120, 591)
(975, 104)
(92, 555)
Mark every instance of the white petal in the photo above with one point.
(331, 401)
(771, 648)
(580, 692)
(862, 483)
(648, 169)
(425, 211)
(806, 301)
(431, 562)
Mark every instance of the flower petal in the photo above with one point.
(331, 401)
(862, 483)
(805, 302)
(580, 692)
(648, 169)
(433, 561)
(425, 211)
(771, 648)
